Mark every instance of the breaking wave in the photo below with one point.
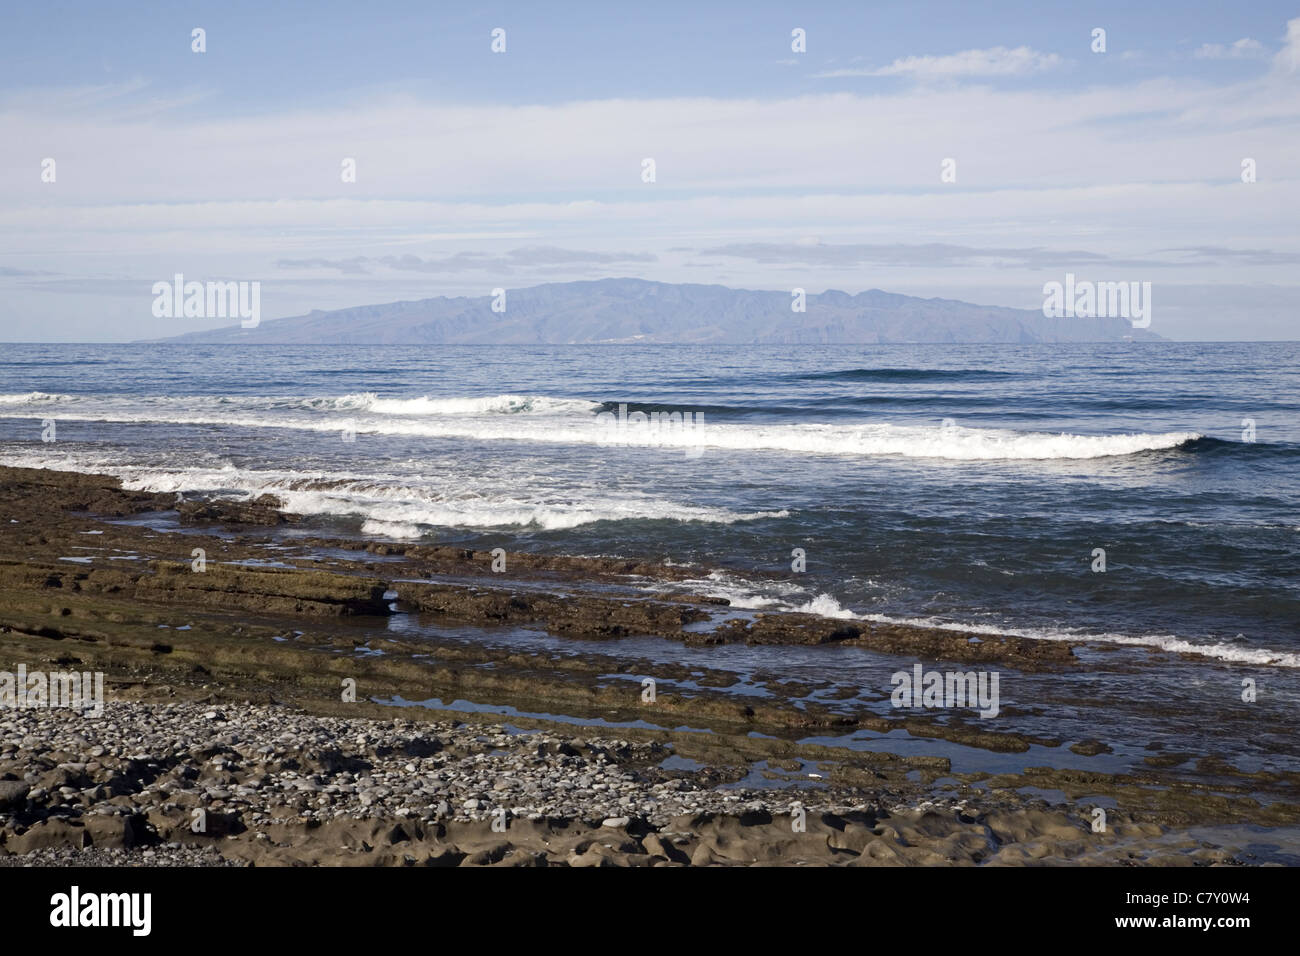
(534, 418)
(753, 596)
(403, 505)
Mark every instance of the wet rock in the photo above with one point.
(13, 793)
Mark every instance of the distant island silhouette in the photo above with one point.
(636, 311)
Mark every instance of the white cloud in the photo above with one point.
(557, 157)
(995, 61)
(1288, 58)
(1116, 169)
(1242, 49)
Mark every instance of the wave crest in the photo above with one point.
(507, 404)
(33, 398)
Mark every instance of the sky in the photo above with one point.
(949, 149)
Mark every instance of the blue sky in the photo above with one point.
(774, 169)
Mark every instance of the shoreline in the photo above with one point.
(262, 786)
(283, 625)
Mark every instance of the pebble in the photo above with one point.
(141, 757)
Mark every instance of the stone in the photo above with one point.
(13, 793)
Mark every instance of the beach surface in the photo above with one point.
(308, 700)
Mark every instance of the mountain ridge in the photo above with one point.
(640, 311)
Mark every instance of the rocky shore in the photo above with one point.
(197, 784)
(261, 708)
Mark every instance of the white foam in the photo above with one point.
(573, 421)
(390, 529)
(738, 593)
(827, 606)
(747, 596)
(33, 398)
(1231, 653)
(504, 404)
(394, 501)
(493, 405)
(414, 507)
(824, 605)
(507, 404)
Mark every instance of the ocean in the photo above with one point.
(961, 484)
(1143, 497)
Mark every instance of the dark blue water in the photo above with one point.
(962, 484)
